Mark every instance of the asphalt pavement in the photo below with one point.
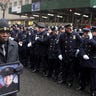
(34, 84)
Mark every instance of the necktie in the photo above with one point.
(3, 47)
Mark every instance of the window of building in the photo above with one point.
(10, 4)
(15, 3)
(26, 1)
(20, 2)
(36, 0)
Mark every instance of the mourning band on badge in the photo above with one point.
(5, 29)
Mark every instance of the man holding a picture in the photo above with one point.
(8, 48)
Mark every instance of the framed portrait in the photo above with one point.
(9, 79)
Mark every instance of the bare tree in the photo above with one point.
(3, 5)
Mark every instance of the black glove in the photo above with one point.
(19, 69)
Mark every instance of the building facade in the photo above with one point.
(15, 5)
(79, 12)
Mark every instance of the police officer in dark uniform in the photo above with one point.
(69, 42)
(40, 48)
(88, 57)
(32, 47)
(83, 75)
(23, 41)
(14, 31)
(53, 61)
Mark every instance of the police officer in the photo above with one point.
(14, 31)
(69, 42)
(32, 47)
(8, 48)
(23, 41)
(88, 57)
(84, 78)
(53, 61)
(40, 48)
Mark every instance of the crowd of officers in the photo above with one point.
(59, 52)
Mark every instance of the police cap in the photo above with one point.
(54, 28)
(61, 28)
(7, 71)
(41, 25)
(86, 30)
(4, 27)
(93, 29)
(80, 31)
(68, 25)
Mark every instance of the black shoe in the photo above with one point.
(69, 85)
(93, 93)
(61, 82)
(80, 88)
(55, 79)
(34, 70)
(44, 74)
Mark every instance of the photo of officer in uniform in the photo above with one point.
(9, 84)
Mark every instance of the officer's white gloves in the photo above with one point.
(20, 44)
(77, 52)
(29, 44)
(11, 38)
(60, 57)
(36, 38)
(85, 57)
(48, 34)
(90, 35)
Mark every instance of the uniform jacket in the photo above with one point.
(88, 47)
(12, 53)
(12, 88)
(23, 37)
(40, 44)
(31, 38)
(69, 43)
(53, 46)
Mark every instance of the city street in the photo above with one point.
(55, 37)
(33, 84)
